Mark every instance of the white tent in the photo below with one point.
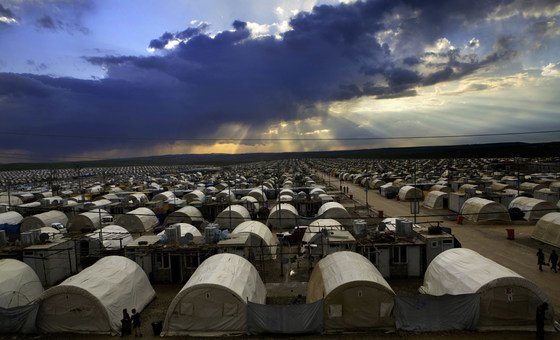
(532, 208)
(195, 195)
(89, 219)
(226, 195)
(184, 229)
(439, 187)
(45, 219)
(547, 229)
(434, 199)
(138, 221)
(507, 300)
(114, 237)
(409, 193)
(137, 198)
(530, 187)
(187, 214)
(376, 183)
(282, 216)
(92, 300)
(355, 293)
(335, 211)
(263, 242)
(258, 194)
(19, 289)
(166, 196)
(250, 203)
(10, 222)
(232, 216)
(479, 209)
(213, 301)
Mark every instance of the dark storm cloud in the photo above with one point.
(332, 53)
(46, 22)
(7, 14)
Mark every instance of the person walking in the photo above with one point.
(540, 317)
(540, 259)
(553, 260)
(125, 324)
(136, 323)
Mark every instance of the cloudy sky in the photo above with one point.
(83, 79)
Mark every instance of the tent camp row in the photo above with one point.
(345, 292)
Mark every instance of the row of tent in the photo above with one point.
(349, 291)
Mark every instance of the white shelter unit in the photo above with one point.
(19, 289)
(547, 229)
(410, 193)
(250, 203)
(258, 194)
(92, 301)
(90, 219)
(41, 220)
(11, 200)
(439, 187)
(138, 221)
(336, 211)
(184, 229)
(435, 200)
(355, 294)
(282, 216)
(479, 209)
(213, 301)
(226, 195)
(187, 214)
(10, 222)
(114, 237)
(232, 216)
(532, 208)
(376, 183)
(263, 243)
(166, 196)
(98, 204)
(195, 195)
(388, 189)
(507, 300)
(530, 187)
(137, 199)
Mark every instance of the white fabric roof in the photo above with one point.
(547, 229)
(282, 215)
(258, 194)
(464, 271)
(480, 209)
(45, 219)
(434, 199)
(11, 218)
(532, 208)
(165, 196)
(195, 195)
(185, 229)
(409, 192)
(260, 231)
(335, 211)
(342, 268)
(232, 216)
(90, 219)
(187, 214)
(19, 284)
(114, 237)
(109, 285)
(138, 220)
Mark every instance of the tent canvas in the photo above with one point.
(92, 300)
(547, 229)
(214, 299)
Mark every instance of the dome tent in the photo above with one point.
(532, 208)
(479, 209)
(232, 216)
(114, 237)
(187, 214)
(547, 229)
(92, 301)
(355, 293)
(138, 221)
(90, 219)
(260, 236)
(435, 199)
(282, 216)
(41, 220)
(409, 193)
(507, 300)
(213, 301)
(19, 289)
(335, 210)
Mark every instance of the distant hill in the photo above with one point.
(496, 150)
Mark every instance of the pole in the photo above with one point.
(415, 192)
(9, 195)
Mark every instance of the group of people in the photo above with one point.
(130, 323)
(552, 260)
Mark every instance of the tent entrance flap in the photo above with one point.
(285, 319)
